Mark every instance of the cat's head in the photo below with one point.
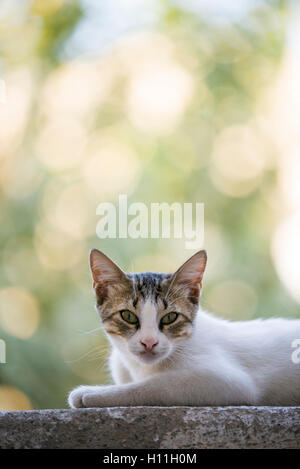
(147, 314)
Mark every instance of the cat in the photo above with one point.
(167, 351)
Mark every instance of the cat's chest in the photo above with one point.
(139, 372)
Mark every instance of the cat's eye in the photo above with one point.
(168, 318)
(129, 317)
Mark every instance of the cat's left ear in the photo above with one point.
(190, 275)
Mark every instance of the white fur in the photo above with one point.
(222, 363)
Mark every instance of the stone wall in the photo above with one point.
(153, 427)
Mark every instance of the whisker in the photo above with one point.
(83, 356)
(100, 354)
(91, 331)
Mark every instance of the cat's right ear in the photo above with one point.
(105, 274)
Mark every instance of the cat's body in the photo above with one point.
(194, 359)
(252, 356)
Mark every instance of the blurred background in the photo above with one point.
(162, 100)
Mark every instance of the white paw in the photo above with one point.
(76, 397)
(90, 396)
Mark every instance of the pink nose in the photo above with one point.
(149, 344)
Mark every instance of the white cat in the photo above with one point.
(167, 351)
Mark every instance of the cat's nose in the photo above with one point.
(149, 344)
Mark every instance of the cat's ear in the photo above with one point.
(190, 275)
(105, 274)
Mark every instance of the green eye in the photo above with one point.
(129, 317)
(169, 318)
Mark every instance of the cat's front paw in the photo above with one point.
(75, 399)
(91, 396)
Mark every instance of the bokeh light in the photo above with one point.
(68, 210)
(232, 299)
(61, 143)
(13, 117)
(237, 161)
(13, 399)
(111, 169)
(19, 312)
(158, 95)
(76, 89)
(286, 254)
(55, 249)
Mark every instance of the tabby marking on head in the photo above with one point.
(160, 307)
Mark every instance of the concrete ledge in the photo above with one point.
(153, 427)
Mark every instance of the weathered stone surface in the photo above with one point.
(153, 427)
